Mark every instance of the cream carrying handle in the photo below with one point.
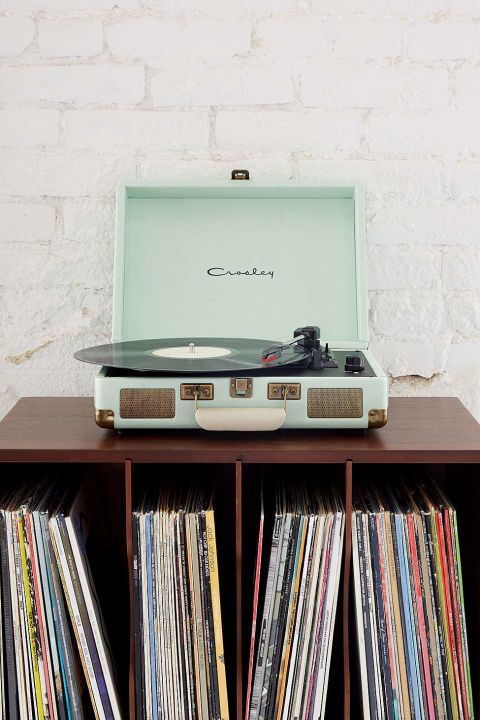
(246, 419)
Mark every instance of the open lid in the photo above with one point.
(240, 259)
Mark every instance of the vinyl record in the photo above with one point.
(190, 355)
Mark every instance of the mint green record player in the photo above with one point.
(201, 269)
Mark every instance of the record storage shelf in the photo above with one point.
(58, 435)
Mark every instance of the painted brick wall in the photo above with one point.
(375, 91)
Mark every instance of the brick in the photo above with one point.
(461, 270)
(463, 358)
(266, 131)
(447, 225)
(293, 37)
(145, 129)
(88, 220)
(467, 7)
(8, 397)
(341, 85)
(159, 40)
(399, 268)
(16, 34)
(24, 128)
(75, 84)
(58, 265)
(360, 39)
(228, 85)
(407, 314)
(35, 376)
(385, 182)
(400, 358)
(467, 89)
(64, 175)
(66, 5)
(174, 167)
(464, 314)
(221, 6)
(449, 39)
(443, 133)
(70, 38)
(373, 7)
(26, 222)
(463, 180)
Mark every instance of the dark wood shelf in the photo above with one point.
(63, 430)
(438, 432)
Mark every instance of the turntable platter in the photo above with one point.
(189, 355)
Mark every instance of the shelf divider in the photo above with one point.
(346, 589)
(128, 530)
(238, 586)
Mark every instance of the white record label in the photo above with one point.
(192, 352)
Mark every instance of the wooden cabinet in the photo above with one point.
(59, 435)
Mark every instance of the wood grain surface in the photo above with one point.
(63, 430)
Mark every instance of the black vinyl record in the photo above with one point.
(190, 355)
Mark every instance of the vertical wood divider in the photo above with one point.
(128, 531)
(346, 589)
(238, 586)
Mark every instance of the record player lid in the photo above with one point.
(240, 258)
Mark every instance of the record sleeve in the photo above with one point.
(296, 625)
(65, 649)
(290, 615)
(256, 585)
(75, 617)
(150, 604)
(43, 648)
(26, 672)
(137, 614)
(77, 522)
(7, 612)
(277, 613)
(331, 602)
(319, 621)
(299, 691)
(33, 633)
(398, 638)
(216, 613)
(262, 652)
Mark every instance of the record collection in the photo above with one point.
(179, 656)
(50, 614)
(288, 674)
(410, 612)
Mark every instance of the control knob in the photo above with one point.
(354, 363)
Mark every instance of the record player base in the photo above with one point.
(59, 436)
(314, 400)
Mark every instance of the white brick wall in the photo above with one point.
(371, 91)
(70, 38)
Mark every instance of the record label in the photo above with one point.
(192, 352)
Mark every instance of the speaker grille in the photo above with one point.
(335, 403)
(136, 403)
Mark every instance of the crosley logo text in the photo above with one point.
(221, 272)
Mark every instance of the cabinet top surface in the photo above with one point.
(64, 430)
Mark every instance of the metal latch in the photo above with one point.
(190, 391)
(241, 387)
(289, 391)
(240, 175)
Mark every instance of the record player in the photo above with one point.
(202, 273)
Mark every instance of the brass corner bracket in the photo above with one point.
(377, 418)
(105, 418)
